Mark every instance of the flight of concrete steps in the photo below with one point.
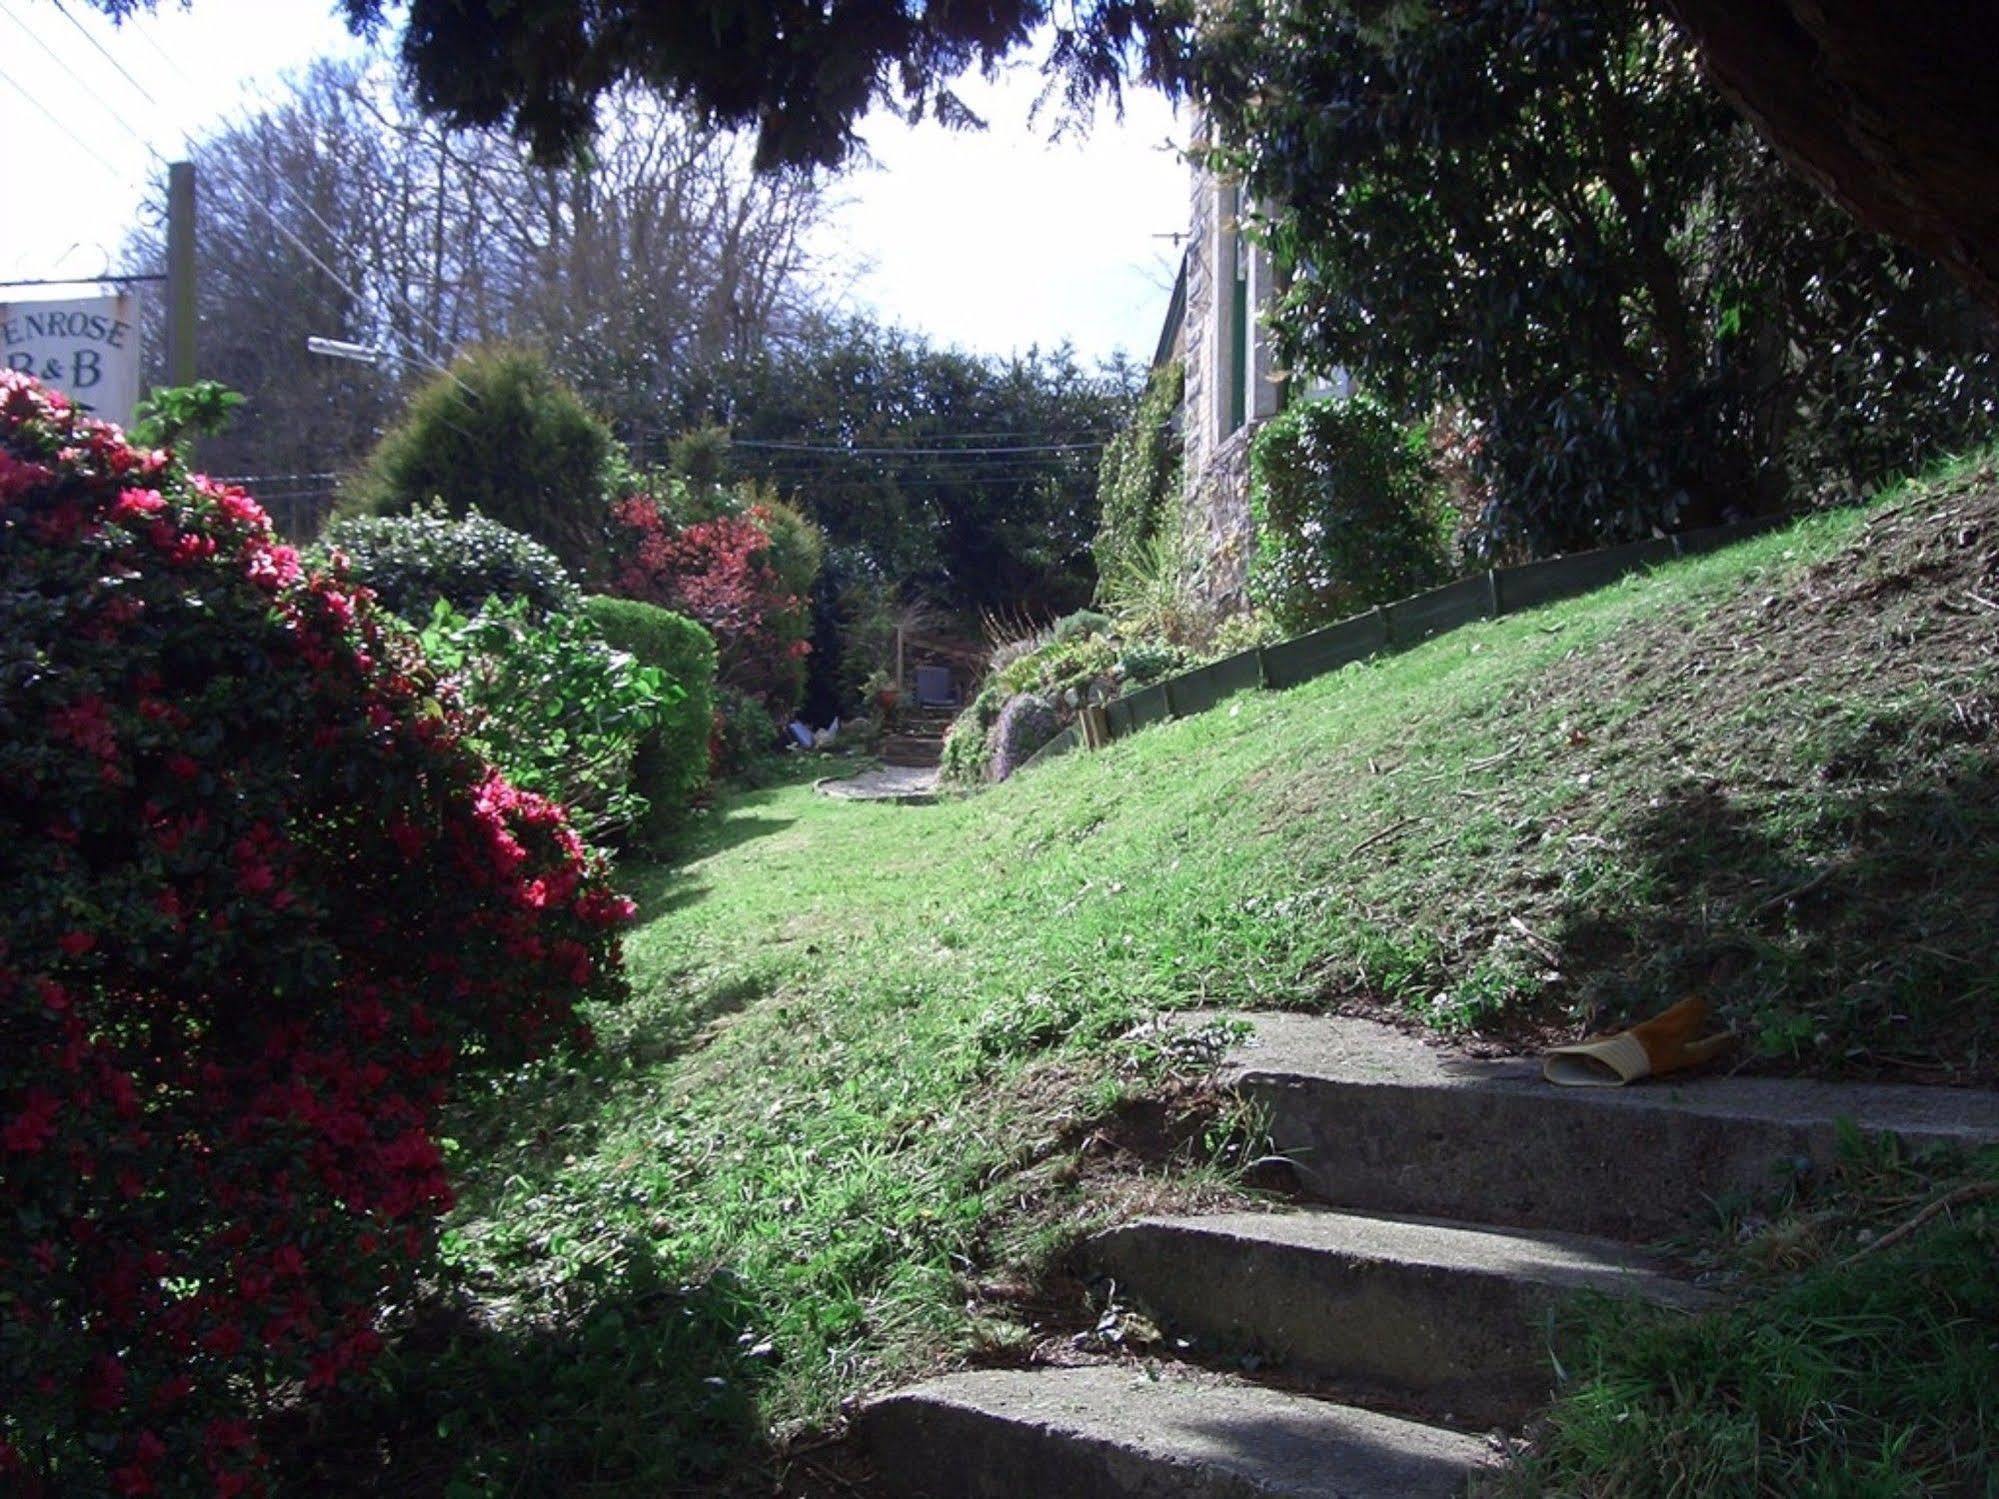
(918, 740)
(1456, 1203)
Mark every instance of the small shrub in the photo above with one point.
(672, 764)
(1151, 592)
(1060, 668)
(1081, 625)
(554, 707)
(745, 735)
(1025, 724)
(264, 903)
(498, 433)
(171, 416)
(1146, 661)
(966, 746)
(411, 561)
(1245, 632)
(1345, 515)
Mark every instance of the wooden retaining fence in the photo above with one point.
(1394, 627)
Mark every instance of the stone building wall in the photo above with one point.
(1215, 518)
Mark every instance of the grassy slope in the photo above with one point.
(868, 1047)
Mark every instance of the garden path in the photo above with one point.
(886, 783)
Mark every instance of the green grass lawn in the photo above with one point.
(882, 1064)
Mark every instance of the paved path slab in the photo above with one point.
(888, 783)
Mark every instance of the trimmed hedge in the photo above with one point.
(412, 561)
(672, 765)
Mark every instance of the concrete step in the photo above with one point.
(1383, 1122)
(1116, 1430)
(1453, 1318)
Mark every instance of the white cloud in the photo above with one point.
(67, 210)
(1000, 239)
(992, 240)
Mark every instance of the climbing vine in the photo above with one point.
(1139, 475)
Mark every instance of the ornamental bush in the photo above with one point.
(409, 562)
(672, 764)
(554, 707)
(1345, 513)
(744, 736)
(729, 572)
(500, 434)
(263, 905)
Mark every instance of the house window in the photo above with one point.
(1236, 327)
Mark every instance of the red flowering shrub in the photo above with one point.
(261, 905)
(722, 572)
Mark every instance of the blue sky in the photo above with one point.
(994, 241)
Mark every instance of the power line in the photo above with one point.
(271, 478)
(57, 58)
(105, 53)
(77, 280)
(253, 198)
(56, 120)
(333, 234)
(1055, 434)
(799, 447)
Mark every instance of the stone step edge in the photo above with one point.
(1442, 1321)
(1113, 1429)
(1375, 1120)
(1556, 1260)
(1350, 1052)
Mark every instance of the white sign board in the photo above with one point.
(88, 349)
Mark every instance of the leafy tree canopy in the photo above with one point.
(968, 479)
(1542, 213)
(799, 72)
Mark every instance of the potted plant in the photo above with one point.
(884, 692)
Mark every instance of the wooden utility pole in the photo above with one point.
(180, 273)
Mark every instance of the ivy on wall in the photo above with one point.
(1139, 476)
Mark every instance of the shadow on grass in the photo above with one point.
(658, 878)
(648, 1387)
(1854, 921)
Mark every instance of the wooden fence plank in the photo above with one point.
(1147, 706)
(1413, 619)
(1714, 538)
(1314, 655)
(1238, 673)
(1506, 590)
